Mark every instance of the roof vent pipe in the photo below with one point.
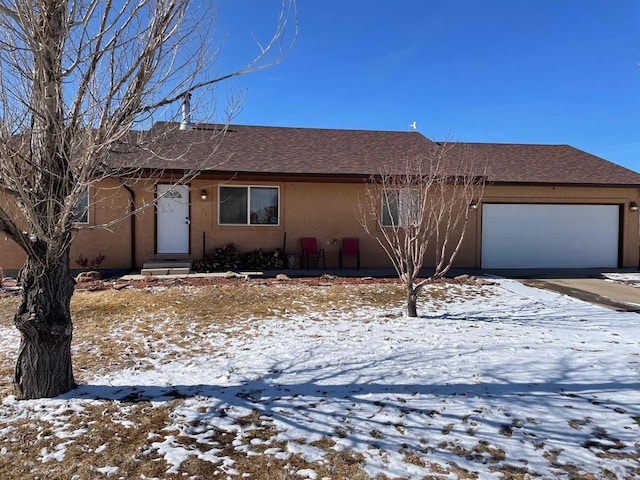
(186, 112)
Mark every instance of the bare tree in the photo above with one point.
(421, 207)
(76, 76)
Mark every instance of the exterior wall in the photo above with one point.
(11, 256)
(105, 204)
(328, 211)
(207, 234)
(325, 210)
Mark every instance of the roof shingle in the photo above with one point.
(333, 152)
(562, 164)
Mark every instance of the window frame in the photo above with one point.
(247, 222)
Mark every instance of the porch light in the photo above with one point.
(633, 206)
(473, 205)
(204, 194)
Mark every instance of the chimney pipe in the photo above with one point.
(186, 112)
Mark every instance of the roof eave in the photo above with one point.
(562, 184)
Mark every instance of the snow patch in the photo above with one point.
(518, 377)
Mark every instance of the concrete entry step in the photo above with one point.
(164, 271)
(167, 266)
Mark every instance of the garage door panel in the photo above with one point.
(550, 236)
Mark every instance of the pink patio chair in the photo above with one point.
(310, 250)
(350, 249)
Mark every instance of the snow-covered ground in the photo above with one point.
(628, 278)
(520, 380)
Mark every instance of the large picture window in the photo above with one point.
(248, 205)
(400, 207)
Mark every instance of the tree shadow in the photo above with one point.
(363, 402)
(405, 413)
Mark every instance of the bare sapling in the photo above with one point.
(419, 209)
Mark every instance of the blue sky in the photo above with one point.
(549, 71)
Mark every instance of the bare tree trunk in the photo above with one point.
(78, 79)
(412, 301)
(44, 366)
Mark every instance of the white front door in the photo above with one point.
(172, 219)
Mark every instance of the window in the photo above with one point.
(408, 201)
(248, 205)
(81, 209)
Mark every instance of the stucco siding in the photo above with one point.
(325, 210)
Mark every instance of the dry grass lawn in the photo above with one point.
(129, 312)
(109, 324)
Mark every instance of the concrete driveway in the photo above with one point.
(610, 288)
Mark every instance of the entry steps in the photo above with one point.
(167, 266)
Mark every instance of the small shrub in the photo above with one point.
(90, 264)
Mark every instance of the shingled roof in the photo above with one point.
(280, 150)
(559, 164)
(332, 152)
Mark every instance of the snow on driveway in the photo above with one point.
(522, 380)
(628, 278)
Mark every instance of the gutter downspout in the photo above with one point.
(132, 221)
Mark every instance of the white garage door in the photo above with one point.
(550, 236)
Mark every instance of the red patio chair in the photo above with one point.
(310, 250)
(350, 249)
